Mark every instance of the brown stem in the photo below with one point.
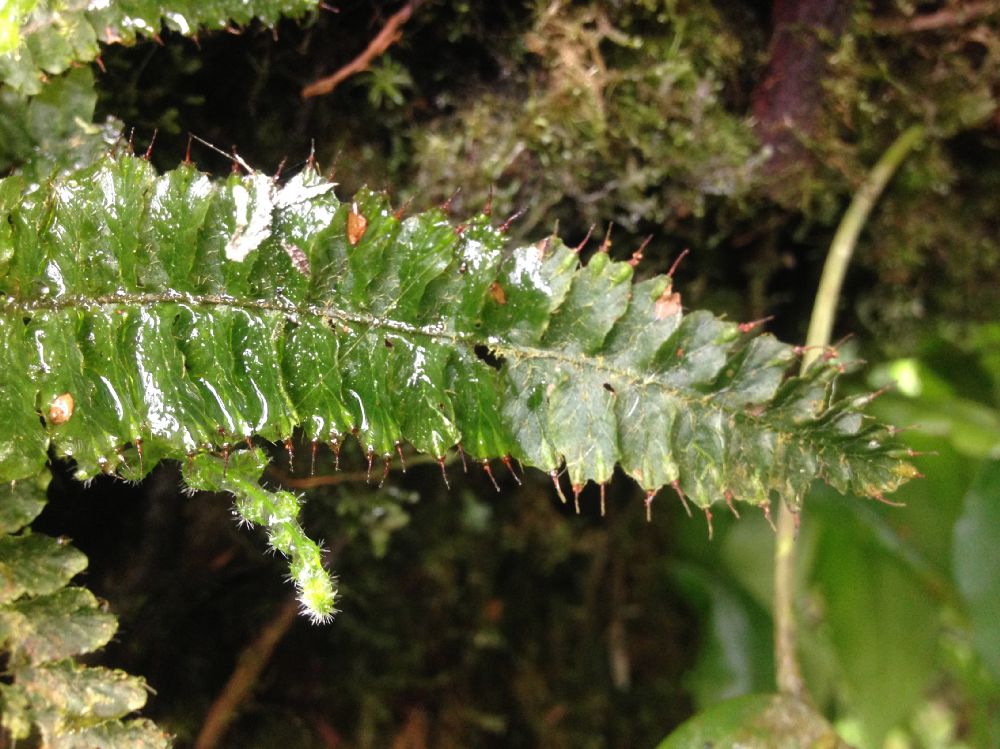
(251, 663)
(945, 18)
(389, 35)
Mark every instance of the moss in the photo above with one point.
(617, 112)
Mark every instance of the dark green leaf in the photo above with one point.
(113, 734)
(183, 316)
(66, 697)
(735, 653)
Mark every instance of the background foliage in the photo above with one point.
(475, 619)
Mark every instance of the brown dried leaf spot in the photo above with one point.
(498, 294)
(667, 305)
(356, 225)
(61, 409)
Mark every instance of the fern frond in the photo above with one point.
(183, 316)
(39, 37)
(43, 625)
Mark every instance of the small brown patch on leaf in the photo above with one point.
(356, 225)
(61, 409)
(667, 305)
(498, 294)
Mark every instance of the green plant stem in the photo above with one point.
(788, 673)
(842, 246)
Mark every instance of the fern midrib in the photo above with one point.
(595, 362)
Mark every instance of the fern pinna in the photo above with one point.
(151, 317)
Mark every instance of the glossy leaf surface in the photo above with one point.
(149, 317)
(52, 131)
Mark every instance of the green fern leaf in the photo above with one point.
(150, 317)
(39, 37)
(50, 133)
(43, 624)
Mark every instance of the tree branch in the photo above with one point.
(252, 661)
(945, 18)
(389, 35)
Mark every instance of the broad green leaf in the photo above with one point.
(735, 655)
(45, 37)
(760, 721)
(177, 316)
(12, 15)
(976, 561)
(42, 624)
(881, 620)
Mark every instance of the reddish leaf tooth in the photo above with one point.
(444, 472)
(489, 472)
(446, 205)
(680, 494)
(729, 503)
(386, 464)
(637, 255)
(766, 507)
(554, 474)
(649, 505)
(746, 327)
(510, 467)
(507, 224)
(677, 262)
(606, 244)
(586, 239)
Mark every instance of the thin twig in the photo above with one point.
(788, 674)
(251, 663)
(389, 35)
(959, 15)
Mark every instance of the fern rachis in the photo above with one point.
(182, 317)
